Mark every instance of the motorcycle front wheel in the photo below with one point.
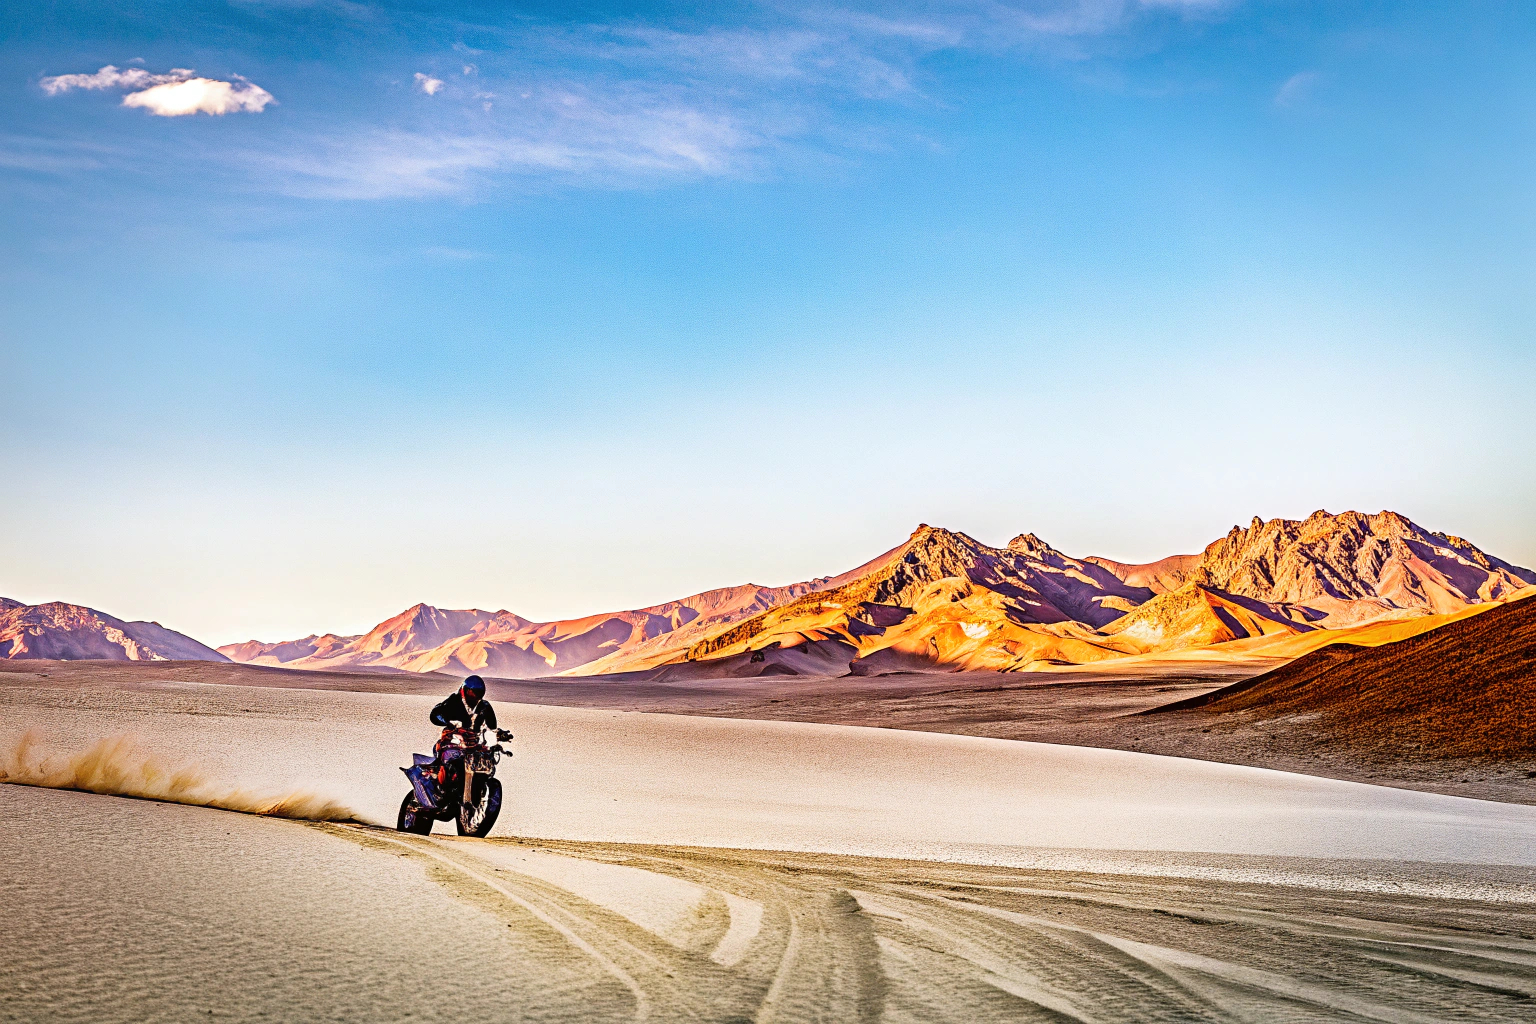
(476, 820)
(413, 818)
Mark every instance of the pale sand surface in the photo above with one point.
(1011, 881)
(607, 776)
(1096, 708)
(128, 910)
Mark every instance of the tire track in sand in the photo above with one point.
(424, 848)
(850, 939)
(982, 944)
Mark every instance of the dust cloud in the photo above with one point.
(119, 766)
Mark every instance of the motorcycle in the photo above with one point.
(458, 783)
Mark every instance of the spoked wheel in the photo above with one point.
(476, 819)
(413, 818)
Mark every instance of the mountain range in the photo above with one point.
(941, 599)
(944, 599)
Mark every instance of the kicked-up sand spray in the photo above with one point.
(119, 766)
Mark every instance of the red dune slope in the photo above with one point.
(1464, 690)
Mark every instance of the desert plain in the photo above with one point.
(680, 855)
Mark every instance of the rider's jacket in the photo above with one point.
(453, 712)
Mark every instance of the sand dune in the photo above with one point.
(1466, 689)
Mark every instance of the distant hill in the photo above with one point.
(1160, 576)
(427, 639)
(1464, 690)
(71, 632)
(1195, 615)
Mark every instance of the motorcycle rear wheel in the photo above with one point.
(477, 820)
(413, 818)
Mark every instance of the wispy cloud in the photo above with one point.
(110, 77)
(994, 23)
(841, 62)
(634, 102)
(557, 131)
(1296, 89)
(641, 101)
(52, 156)
(175, 93)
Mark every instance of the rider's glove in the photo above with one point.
(503, 735)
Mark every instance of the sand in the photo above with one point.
(899, 876)
(605, 776)
(1078, 706)
(147, 911)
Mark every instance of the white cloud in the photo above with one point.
(428, 84)
(200, 95)
(176, 93)
(1296, 89)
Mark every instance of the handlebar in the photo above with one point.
(473, 735)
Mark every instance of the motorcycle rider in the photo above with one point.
(466, 708)
(459, 778)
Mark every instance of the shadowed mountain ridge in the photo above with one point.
(70, 632)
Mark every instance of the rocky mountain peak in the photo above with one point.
(1355, 565)
(936, 546)
(1031, 546)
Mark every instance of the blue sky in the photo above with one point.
(564, 308)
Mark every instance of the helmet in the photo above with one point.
(474, 685)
